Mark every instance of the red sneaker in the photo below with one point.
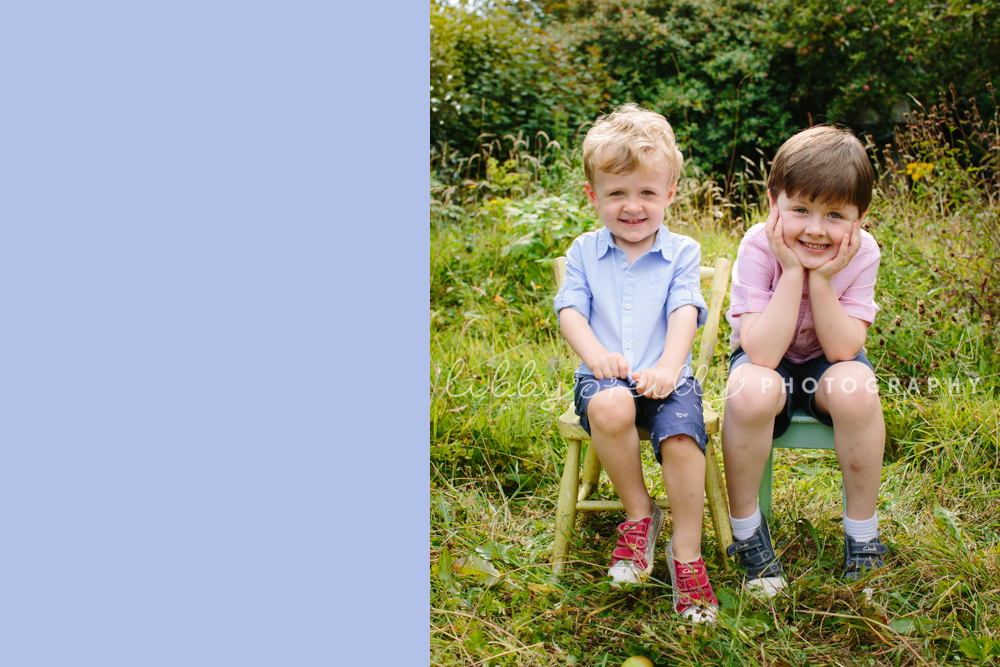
(632, 559)
(694, 598)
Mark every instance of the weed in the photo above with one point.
(499, 375)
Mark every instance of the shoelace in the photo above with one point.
(632, 540)
(692, 582)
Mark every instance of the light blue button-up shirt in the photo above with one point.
(628, 306)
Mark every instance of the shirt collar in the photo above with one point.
(663, 244)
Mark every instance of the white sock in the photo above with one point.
(861, 531)
(744, 528)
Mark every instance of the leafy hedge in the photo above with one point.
(494, 73)
(733, 76)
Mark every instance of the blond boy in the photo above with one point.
(629, 307)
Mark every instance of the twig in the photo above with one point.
(513, 650)
(903, 642)
(476, 618)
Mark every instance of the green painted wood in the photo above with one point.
(805, 432)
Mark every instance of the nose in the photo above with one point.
(632, 205)
(814, 227)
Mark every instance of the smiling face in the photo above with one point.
(632, 205)
(814, 229)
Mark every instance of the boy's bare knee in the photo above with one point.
(612, 410)
(753, 392)
(852, 393)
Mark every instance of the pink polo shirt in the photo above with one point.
(755, 276)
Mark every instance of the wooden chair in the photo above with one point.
(805, 432)
(573, 496)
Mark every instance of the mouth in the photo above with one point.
(814, 247)
(634, 223)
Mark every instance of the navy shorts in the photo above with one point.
(677, 414)
(796, 376)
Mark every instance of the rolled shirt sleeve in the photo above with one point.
(685, 285)
(575, 291)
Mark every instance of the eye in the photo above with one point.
(649, 192)
(800, 209)
(834, 214)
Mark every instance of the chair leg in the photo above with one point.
(566, 509)
(718, 503)
(591, 473)
(766, 481)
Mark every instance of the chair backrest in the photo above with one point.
(719, 277)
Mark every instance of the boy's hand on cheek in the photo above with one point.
(849, 246)
(776, 242)
(610, 365)
(653, 383)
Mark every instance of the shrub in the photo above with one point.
(495, 72)
(863, 63)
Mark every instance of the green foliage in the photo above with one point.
(733, 77)
(494, 73)
(859, 63)
(701, 64)
(499, 375)
(935, 217)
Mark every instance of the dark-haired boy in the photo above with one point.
(801, 303)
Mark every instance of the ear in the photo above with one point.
(861, 218)
(772, 197)
(670, 195)
(591, 195)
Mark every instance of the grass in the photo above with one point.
(499, 376)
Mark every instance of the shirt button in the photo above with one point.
(624, 265)
(628, 346)
(802, 331)
(805, 296)
(628, 306)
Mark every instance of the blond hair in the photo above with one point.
(825, 163)
(630, 138)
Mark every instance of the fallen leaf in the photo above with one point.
(476, 566)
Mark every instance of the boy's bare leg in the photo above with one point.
(754, 395)
(845, 393)
(614, 437)
(684, 480)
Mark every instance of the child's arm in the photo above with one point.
(660, 381)
(840, 335)
(576, 330)
(767, 335)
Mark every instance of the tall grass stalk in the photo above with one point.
(499, 375)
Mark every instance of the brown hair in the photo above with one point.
(630, 138)
(824, 163)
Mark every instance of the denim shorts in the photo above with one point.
(677, 414)
(795, 376)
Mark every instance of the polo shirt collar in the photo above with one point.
(663, 243)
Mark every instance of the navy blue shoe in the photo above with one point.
(860, 557)
(763, 571)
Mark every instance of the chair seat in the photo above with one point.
(569, 425)
(805, 432)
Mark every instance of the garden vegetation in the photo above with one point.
(507, 198)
